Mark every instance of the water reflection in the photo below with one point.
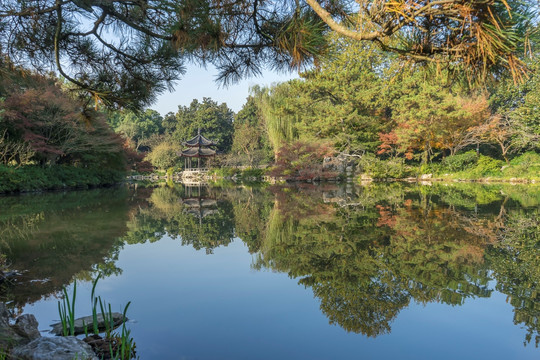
(365, 252)
(52, 238)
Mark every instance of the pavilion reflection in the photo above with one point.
(198, 202)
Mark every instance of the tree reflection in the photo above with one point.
(366, 256)
(53, 238)
(198, 219)
(515, 262)
(365, 252)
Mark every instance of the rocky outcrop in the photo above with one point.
(8, 336)
(23, 340)
(58, 348)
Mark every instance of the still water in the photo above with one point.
(383, 271)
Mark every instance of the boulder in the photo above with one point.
(27, 326)
(8, 336)
(58, 348)
(87, 321)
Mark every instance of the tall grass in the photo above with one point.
(93, 301)
(126, 349)
(124, 344)
(66, 310)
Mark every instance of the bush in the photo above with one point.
(526, 165)
(225, 172)
(527, 159)
(252, 172)
(31, 178)
(486, 166)
(164, 156)
(460, 162)
(394, 168)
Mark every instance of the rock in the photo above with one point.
(57, 348)
(27, 326)
(365, 177)
(8, 336)
(6, 276)
(335, 164)
(87, 321)
(426, 176)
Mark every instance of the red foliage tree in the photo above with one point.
(303, 161)
(55, 127)
(135, 161)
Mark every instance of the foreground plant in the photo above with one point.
(113, 345)
(66, 310)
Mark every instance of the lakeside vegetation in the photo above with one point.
(386, 90)
(362, 108)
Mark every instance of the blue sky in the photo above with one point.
(199, 82)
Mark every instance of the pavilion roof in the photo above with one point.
(199, 140)
(197, 152)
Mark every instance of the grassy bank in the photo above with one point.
(467, 167)
(35, 178)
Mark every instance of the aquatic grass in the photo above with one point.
(126, 344)
(4, 354)
(108, 320)
(121, 345)
(93, 301)
(66, 310)
(106, 311)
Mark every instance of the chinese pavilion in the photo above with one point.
(198, 147)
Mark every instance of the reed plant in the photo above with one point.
(4, 354)
(66, 310)
(108, 319)
(126, 344)
(121, 345)
(94, 302)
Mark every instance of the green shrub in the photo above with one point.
(486, 166)
(526, 165)
(164, 156)
(31, 178)
(460, 162)
(529, 158)
(385, 169)
(252, 172)
(225, 172)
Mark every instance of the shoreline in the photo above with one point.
(488, 180)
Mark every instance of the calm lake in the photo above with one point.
(382, 271)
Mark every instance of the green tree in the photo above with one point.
(280, 114)
(169, 123)
(154, 38)
(215, 121)
(140, 127)
(164, 155)
(516, 124)
(430, 114)
(344, 100)
(250, 140)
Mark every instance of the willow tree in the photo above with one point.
(126, 52)
(280, 115)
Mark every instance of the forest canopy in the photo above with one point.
(125, 53)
